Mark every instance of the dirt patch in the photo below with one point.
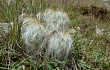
(96, 12)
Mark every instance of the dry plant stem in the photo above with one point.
(9, 57)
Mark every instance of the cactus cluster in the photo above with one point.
(50, 35)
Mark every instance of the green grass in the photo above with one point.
(90, 52)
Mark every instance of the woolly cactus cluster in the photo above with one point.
(50, 35)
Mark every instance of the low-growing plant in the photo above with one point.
(58, 44)
(59, 20)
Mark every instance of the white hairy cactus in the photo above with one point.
(58, 44)
(32, 33)
(55, 20)
(52, 37)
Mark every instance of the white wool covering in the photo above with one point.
(55, 20)
(32, 32)
(58, 44)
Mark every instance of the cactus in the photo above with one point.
(58, 44)
(32, 33)
(55, 20)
